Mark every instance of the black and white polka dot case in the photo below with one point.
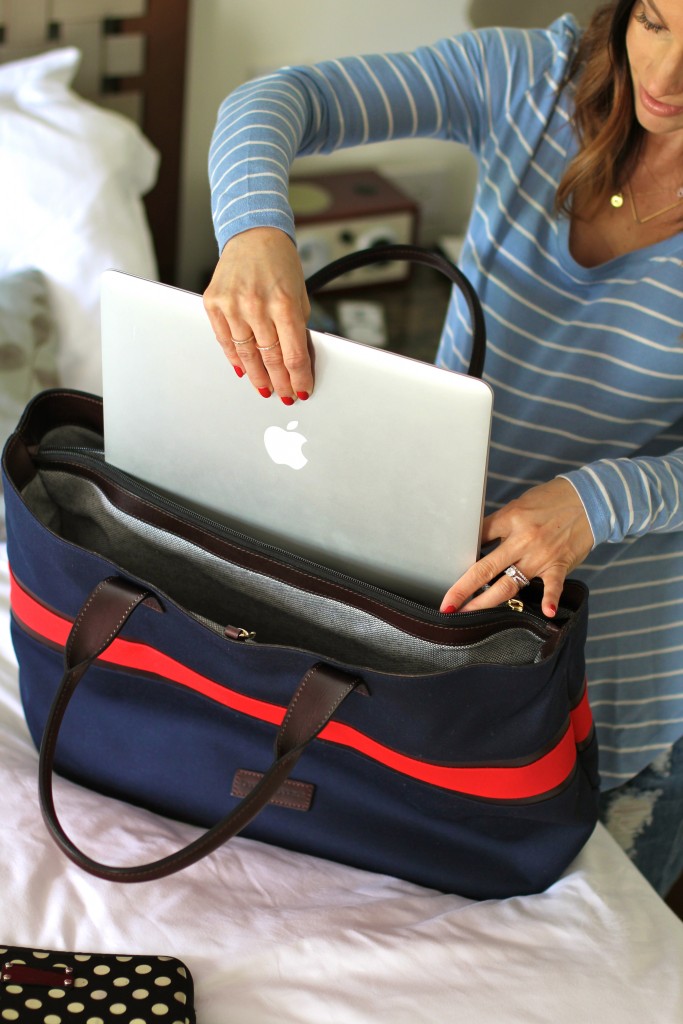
(41, 986)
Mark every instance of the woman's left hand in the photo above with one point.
(544, 533)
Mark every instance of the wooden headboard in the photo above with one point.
(133, 61)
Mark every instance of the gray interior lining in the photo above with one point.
(219, 593)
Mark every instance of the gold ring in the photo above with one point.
(267, 348)
(245, 341)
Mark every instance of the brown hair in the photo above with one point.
(610, 137)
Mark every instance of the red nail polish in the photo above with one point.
(303, 395)
(266, 392)
(239, 371)
(553, 609)
(286, 400)
(449, 609)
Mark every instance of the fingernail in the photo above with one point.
(239, 371)
(449, 609)
(303, 395)
(552, 609)
(266, 392)
(286, 400)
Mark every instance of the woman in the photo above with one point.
(575, 249)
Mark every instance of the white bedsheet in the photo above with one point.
(272, 936)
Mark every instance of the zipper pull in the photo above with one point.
(20, 974)
(239, 633)
(515, 605)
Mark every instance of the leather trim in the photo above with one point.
(414, 254)
(293, 794)
(445, 634)
(56, 407)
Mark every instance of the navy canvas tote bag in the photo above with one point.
(455, 751)
(166, 660)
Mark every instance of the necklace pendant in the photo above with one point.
(617, 200)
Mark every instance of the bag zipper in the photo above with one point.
(73, 457)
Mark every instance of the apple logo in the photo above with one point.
(284, 446)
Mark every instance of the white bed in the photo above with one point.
(269, 936)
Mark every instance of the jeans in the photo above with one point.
(645, 816)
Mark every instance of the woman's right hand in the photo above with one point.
(544, 533)
(257, 296)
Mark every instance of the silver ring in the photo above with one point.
(245, 341)
(267, 348)
(517, 575)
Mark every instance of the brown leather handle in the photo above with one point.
(414, 254)
(100, 620)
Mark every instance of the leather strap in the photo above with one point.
(413, 254)
(100, 621)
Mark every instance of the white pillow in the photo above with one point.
(71, 180)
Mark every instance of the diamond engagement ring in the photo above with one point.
(517, 575)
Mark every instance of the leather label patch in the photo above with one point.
(297, 796)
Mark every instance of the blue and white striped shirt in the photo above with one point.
(586, 364)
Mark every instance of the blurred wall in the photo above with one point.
(527, 13)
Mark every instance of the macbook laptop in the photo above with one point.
(380, 474)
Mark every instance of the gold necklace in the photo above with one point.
(617, 201)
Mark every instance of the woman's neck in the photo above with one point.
(661, 157)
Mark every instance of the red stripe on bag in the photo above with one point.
(582, 719)
(137, 656)
(521, 782)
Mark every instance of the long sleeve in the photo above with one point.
(631, 497)
(265, 124)
(436, 91)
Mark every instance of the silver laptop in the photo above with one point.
(380, 474)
